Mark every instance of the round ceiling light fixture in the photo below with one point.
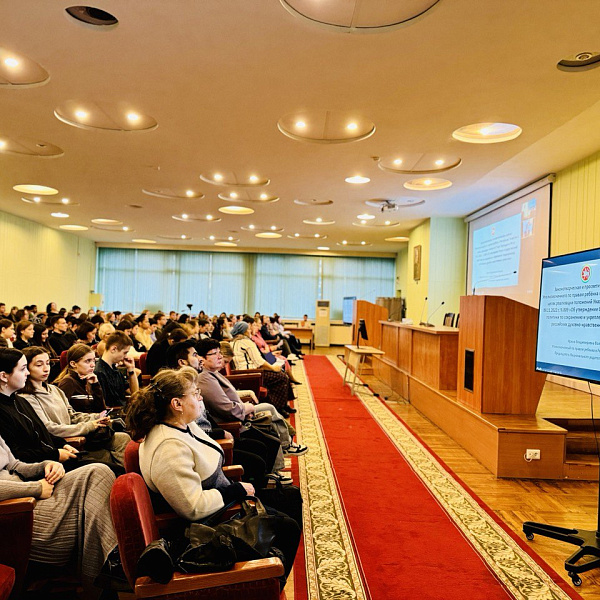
(322, 247)
(236, 210)
(59, 215)
(180, 238)
(188, 217)
(143, 241)
(356, 16)
(582, 61)
(249, 195)
(117, 228)
(326, 127)
(313, 202)
(48, 200)
(417, 164)
(229, 244)
(73, 227)
(174, 193)
(350, 243)
(29, 147)
(427, 184)
(385, 204)
(398, 238)
(18, 71)
(318, 221)
(237, 180)
(107, 116)
(386, 223)
(487, 133)
(267, 235)
(32, 188)
(357, 179)
(107, 222)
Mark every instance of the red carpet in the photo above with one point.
(406, 544)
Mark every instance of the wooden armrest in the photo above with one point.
(78, 442)
(232, 426)
(242, 572)
(245, 380)
(234, 472)
(18, 505)
(227, 447)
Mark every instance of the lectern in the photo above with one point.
(496, 356)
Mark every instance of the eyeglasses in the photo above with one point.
(195, 392)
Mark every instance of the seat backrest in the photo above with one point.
(449, 320)
(133, 519)
(457, 318)
(131, 459)
(63, 359)
(143, 357)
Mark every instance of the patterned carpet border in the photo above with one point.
(332, 570)
(518, 571)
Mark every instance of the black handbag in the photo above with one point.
(99, 438)
(283, 498)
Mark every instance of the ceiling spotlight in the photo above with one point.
(37, 199)
(300, 124)
(319, 220)
(81, 114)
(398, 161)
(189, 193)
(439, 162)
(184, 216)
(133, 116)
(344, 242)
(365, 217)
(363, 222)
(211, 238)
(273, 227)
(387, 222)
(59, 215)
(363, 243)
(253, 178)
(263, 196)
(357, 179)
(486, 130)
(230, 238)
(250, 226)
(65, 201)
(125, 228)
(233, 195)
(209, 217)
(183, 237)
(296, 235)
(11, 62)
(218, 177)
(2, 144)
(427, 182)
(323, 248)
(317, 235)
(352, 126)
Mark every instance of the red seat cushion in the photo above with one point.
(7, 581)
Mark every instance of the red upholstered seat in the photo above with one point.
(7, 581)
(136, 527)
(63, 359)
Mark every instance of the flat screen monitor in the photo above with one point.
(348, 309)
(568, 340)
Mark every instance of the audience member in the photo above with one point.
(7, 332)
(57, 339)
(24, 335)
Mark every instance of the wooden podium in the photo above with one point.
(496, 356)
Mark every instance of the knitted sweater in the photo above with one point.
(14, 476)
(53, 408)
(185, 467)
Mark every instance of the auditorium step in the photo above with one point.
(580, 437)
(582, 467)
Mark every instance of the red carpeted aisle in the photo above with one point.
(407, 545)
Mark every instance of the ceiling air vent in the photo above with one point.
(92, 16)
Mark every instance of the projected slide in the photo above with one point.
(569, 319)
(496, 254)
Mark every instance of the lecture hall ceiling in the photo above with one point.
(192, 108)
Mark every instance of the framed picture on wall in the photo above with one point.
(417, 263)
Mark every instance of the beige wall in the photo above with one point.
(42, 265)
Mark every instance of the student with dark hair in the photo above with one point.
(130, 329)
(116, 385)
(7, 332)
(57, 339)
(58, 416)
(86, 333)
(51, 309)
(142, 335)
(203, 325)
(24, 334)
(157, 355)
(79, 382)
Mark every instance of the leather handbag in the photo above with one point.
(283, 498)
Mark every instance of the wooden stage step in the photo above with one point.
(582, 467)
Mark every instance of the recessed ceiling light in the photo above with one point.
(319, 220)
(387, 222)
(183, 237)
(296, 235)
(352, 126)
(263, 196)
(273, 227)
(209, 217)
(74, 227)
(65, 201)
(363, 222)
(357, 179)
(365, 217)
(487, 133)
(31, 188)
(323, 248)
(253, 178)
(230, 244)
(81, 114)
(211, 238)
(37, 199)
(439, 162)
(236, 210)
(172, 193)
(427, 182)
(233, 195)
(11, 62)
(344, 242)
(2, 144)
(218, 177)
(230, 238)
(300, 124)
(107, 222)
(125, 228)
(133, 116)
(59, 215)
(250, 226)
(267, 234)
(189, 193)
(184, 216)
(143, 241)
(317, 235)
(363, 243)
(398, 161)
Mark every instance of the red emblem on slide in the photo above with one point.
(586, 273)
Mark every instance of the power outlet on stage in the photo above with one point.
(531, 454)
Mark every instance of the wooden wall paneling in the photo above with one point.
(512, 447)
(372, 314)
(405, 348)
(426, 358)
(389, 342)
(448, 361)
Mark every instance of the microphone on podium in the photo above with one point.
(429, 324)
(422, 311)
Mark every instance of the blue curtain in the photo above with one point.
(288, 284)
